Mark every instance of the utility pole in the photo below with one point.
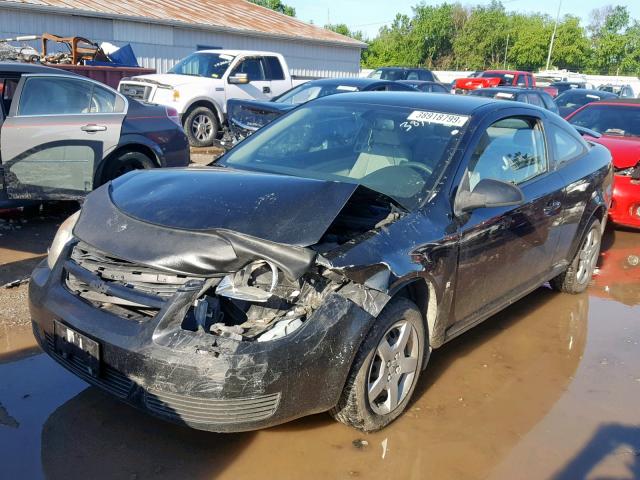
(506, 50)
(553, 35)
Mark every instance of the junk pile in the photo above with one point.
(58, 50)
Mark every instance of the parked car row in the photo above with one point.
(315, 265)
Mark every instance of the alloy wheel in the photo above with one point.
(588, 256)
(202, 127)
(393, 367)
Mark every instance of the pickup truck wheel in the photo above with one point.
(578, 275)
(386, 369)
(201, 127)
(125, 162)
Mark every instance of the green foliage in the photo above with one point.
(343, 29)
(276, 5)
(452, 36)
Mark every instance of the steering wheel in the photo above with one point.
(417, 166)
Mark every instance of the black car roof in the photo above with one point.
(418, 82)
(456, 104)
(18, 67)
(350, 82)
(403, 68)
(508, 90)
(588, 91)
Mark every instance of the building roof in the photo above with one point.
(232, 16)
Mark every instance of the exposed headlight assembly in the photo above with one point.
(254, 283)
(63, 236)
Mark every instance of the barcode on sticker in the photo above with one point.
(438, 118)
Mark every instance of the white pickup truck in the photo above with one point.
(199, 86)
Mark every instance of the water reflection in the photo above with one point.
(619, 274)
(481, 393)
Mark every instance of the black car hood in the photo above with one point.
(206, 221)
(278, 208)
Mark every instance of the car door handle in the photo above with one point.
(93, 128)
(266, 90)
(552, 208)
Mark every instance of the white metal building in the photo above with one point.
(162, 32)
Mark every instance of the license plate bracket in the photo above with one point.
(77, 348)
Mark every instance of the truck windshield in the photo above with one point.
(505, 78)
(208, 65)
(399, 152)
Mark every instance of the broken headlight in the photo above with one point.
(256, 282)
(633, 172)
(63, 236)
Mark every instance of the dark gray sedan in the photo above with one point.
(62, 135)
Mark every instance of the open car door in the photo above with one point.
(58, 130)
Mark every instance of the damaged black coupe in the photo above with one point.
(319, 263)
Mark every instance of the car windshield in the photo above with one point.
(395, 151)
(209, 65)
(618, 120)
(571, 99)
(493, 94)
(308, 91)
(389, 74)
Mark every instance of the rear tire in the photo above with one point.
(578, 275)
(124, 163)
(385, 370)
(201, 127)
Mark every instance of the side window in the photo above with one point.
(534, 99)
(102, 100)
(8, 88)
(413, 75)
(511, 150)
(425, 76)
(521, 81)
(566, 146)
(274, 68)
(55, 96)
(252, 67)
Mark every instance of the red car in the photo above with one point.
(495, 78)
(618, 123)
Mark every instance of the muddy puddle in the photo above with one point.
(549, 388)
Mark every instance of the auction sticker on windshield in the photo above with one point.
(439, 118)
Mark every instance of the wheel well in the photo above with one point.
(134, 147)
(423, 295)
(203, 103)
(599, 214)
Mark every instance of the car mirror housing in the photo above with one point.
(239, 79)
(489, 193)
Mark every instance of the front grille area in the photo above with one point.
(128, 277)
(209, 411)
(110, 379)
(139, 92)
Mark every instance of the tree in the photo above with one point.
(276, 5)
(343, 29)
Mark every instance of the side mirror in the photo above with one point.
(239, 79)
(489, 193)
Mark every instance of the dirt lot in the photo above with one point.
(547, 389)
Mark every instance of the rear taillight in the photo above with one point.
(172, 113)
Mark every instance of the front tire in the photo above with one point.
(201, 127)
(578, 275)
(386, 369)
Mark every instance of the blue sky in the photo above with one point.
(370, 15)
